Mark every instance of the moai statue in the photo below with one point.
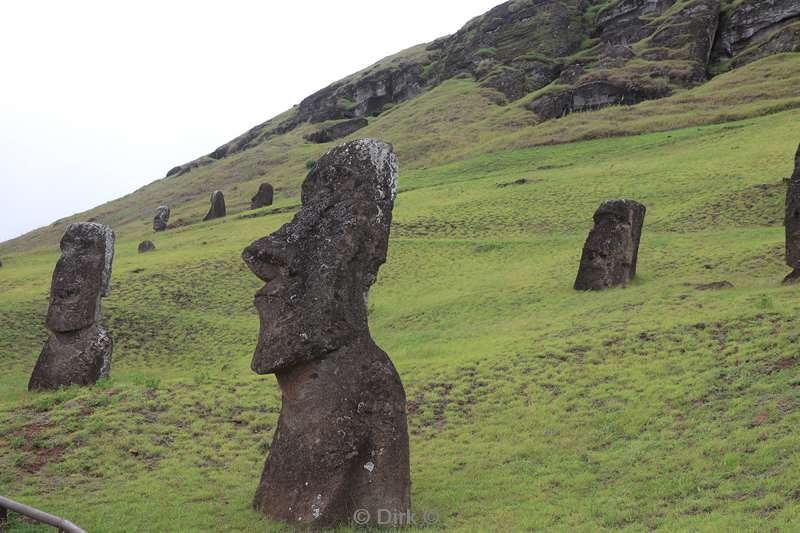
(342, 439)
(610, 253)
(263, 197)
(217, 209)
(792, 223)
(78, 351)
(161, 219)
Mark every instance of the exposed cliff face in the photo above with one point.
(576, 54)
(756, 28)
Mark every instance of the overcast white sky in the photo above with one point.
(98, 98)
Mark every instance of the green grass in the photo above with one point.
(531, 406)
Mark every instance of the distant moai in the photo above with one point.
(146, 246)
(341, 444)
(611, 250)
(263, 197)
(78, 351)
(161, 218)
(217, 209)
(792, 223)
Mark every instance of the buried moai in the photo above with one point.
(611, 250)
(217, 209)
(78, 351)
(161, 218)
(792, 223)
(263, 197)
(342, 439)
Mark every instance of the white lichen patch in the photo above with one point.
(370, 466)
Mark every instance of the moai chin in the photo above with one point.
(342, 439)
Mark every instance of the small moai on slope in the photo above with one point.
(146, 246)
(217, 209)
(161, 218)
(342, 438)
(611, 250)
(263, 197)
(792, 223)
(78, 351)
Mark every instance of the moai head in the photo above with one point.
(320, 266)
(263, 197)
(217, 209)
(81, 277)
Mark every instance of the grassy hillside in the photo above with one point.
(455, 121)
(531, 406)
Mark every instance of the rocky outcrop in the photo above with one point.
(337, 131)
(342, 440)
(146, 246)
(217, 209)
(79, 349)
(593, 95)
(612, 248)
(627, 21)
(792, 222)
(752, 23)
(263, 197)
(161, 218)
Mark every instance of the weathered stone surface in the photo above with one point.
(593, 95)
(781, 40)
(146, 246)
(217, 209)
(751, 22)
(337, 131)
(78, 351)
(611, 250)
(342, 440)
(263, 197)
(75, 358)
(161, 218)
(81, 277)
(792, 221)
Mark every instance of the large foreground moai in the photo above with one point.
(217, 209)
(78, 351)
(342, 440)
(610, 253)
(792, 222)
(263, 197)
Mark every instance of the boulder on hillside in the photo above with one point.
(263, 197)
(337, 131)
(146, 246)
(342, 439)
(217, 209)
(612, 248)
(161, 218)
(78, 351)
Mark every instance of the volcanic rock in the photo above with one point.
(78, 351)
(342, 440)
(217, 206)
(81, 277)
(337, 131)
(79, 357)
(146, 246)
(792, 222)
(161, 219)
(611, 250)
(263, 197)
